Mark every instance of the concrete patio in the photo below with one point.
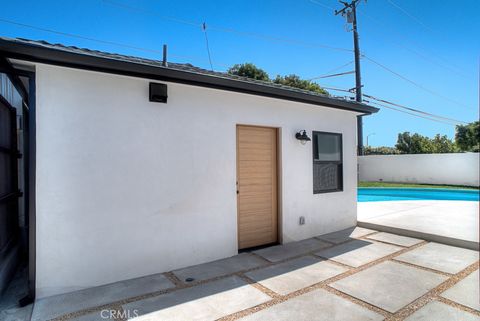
(448, 222)
(355, 274)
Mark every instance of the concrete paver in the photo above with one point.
(437, 311)
(389, 285)
(289, 250)
(107, 315)
(294, 275)
(95, 316)
(447, 222)
(317, 305)
(440, 257)
(345, 235)
(16, 314)
(213, 269)
(54, 306)
(358, 252)
(466, 292)
(395, 239)
(205, 302)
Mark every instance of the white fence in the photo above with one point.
(452, 169)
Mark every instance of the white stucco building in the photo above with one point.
(123, 186)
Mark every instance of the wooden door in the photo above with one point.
(256, 186)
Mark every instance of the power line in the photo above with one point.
(443, 66)
(79, 36)
(322, 5)
(416, 110)
(266, 37)
(156, 51)
(399, 44)
(204, 27)
(410, 113)
(337, 89)
(107, 42)
(189, 57)
(173, 19)
(334, 75)
(277, 39)
(411, 16)
(332, 70)
(415, 83)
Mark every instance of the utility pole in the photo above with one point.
(350, 10)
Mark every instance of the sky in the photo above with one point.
(420, 54)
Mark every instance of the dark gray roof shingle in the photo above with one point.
(182, 67)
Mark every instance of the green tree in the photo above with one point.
(467, 137)
(413, 144)
(295, 81)
(248, 70)
(381, 150)
(418, 144)
(442, 144)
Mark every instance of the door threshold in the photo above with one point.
(258, 247)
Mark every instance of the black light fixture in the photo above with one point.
(302, 137)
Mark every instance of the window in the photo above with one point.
(327, 162)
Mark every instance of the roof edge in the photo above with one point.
(36, 53)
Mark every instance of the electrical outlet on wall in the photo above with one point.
(301, 220)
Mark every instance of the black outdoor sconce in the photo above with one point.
(302, 137)
(158, 93)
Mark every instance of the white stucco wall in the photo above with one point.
(453, 169)
(127, 188)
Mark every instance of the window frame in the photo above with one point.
(338, 163)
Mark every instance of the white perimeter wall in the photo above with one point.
(127, 188)
(454, 169)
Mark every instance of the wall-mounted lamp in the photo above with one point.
(158, 93)
(302, 137)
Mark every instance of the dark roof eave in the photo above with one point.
(21, 51)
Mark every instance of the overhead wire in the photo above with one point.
(445, 65)
(414, 83)
(271, 38)
(138, 9)
(408, 14)
(415, 110)
(411, 50)
(277, 39)
(107, 42)
(399, 44)
(332, 70)
(401, 108)
(413, 114)
(322, 5)
(204, 27)
(182, 21)
(334, 75)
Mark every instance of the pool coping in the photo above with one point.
(429, 189)
(471, 245)
(444, 194)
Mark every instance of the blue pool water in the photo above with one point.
(372, 194)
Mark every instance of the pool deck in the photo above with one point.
(355, 274)
(449, 222)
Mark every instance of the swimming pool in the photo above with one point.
(372, 194)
